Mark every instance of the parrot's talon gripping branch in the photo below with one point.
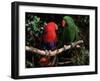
(46, 52)
(54, 52)
(65, 46)
(72, 45)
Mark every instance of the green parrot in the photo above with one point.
(70, 31)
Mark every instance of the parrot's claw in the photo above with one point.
(47, 52)
(65, 47)
(72, 45)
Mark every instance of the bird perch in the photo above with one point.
(54, 52)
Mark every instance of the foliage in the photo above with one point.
(82, 58)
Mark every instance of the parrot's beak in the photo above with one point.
(63, 23)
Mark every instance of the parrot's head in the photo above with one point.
(67, 21)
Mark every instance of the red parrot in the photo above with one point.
(50, 36)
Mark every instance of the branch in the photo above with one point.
(67, 62)
(52, 53)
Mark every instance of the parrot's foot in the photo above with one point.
(74, 45)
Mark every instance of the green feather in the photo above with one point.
(70, 32)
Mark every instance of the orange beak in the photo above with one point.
(63, 23)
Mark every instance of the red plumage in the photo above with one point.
(50, 32)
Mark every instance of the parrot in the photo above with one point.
(49, 42)
(50, 36)
(70, 30)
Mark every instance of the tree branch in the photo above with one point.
(52, 53)
(67, 62)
